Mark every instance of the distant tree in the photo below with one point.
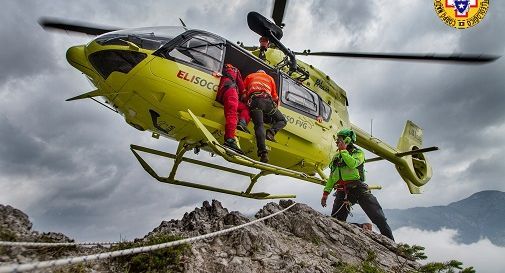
(416, 253)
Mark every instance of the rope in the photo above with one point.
(35, 244)
(346, 203)
(106, 255)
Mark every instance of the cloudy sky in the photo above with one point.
(68, 164)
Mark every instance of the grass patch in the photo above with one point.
(7, 235)
(78, 268)
(163, 260)
(369, 265)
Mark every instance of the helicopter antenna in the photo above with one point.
(182, 22)
(371, 127)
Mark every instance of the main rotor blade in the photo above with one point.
(278, 12)
(78, 27)
(458, 58)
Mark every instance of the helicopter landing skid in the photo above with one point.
(227, 154)
(178, 158)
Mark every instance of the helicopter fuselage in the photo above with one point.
(153, 80)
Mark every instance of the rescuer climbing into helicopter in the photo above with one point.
(236, 112)
(347, 173)
(262, 99)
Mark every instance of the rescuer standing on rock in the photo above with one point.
(347, 173)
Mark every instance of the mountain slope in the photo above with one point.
(478, 216)
(299, 240)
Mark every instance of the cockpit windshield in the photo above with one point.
(151, 38)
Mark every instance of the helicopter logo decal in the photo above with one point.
(301, 122)
(461, 14)
(319, 83)
(197, 80)
(462, 7)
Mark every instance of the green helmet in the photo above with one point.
(348, 135)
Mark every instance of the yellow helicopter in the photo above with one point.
(163, 80)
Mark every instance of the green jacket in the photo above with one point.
(347, 169)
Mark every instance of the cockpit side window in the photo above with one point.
(201, 50)
(325, 111)
(299, 98)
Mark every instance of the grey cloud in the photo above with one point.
(487, 36)
(22, 154)
(441, 246)
(355, 16)
(487, 172)
(24, 44)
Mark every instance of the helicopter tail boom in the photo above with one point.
(408, 156)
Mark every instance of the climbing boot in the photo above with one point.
(264, 157)
(242, 126)
(232, 144)
(270, 135)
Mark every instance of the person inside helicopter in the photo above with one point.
(261, 95)
(264, 44)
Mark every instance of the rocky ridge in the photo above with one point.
(15, 226)
(299, 240)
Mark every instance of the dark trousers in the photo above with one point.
(358, 192)
(264, 110)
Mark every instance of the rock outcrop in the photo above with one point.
(15, 226)
(299, 240)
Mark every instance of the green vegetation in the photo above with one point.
(405, 251)
(54, 252)
(79, 268)
(163, 260)
(447, 267)
(7, 235)
(369, 265)
(316, 240)
(415, 253)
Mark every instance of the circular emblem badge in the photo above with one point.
(461, 13)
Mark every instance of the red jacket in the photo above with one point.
(231, 79)
(260, 82)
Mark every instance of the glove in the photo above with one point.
(341, 146)
(323, 199)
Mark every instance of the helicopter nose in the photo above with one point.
(76, 57)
